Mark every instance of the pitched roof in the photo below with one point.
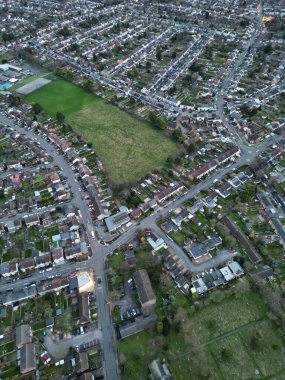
(144, 287)
(27, 358)
(84, 312)
(23, 335)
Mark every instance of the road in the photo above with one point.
(97, 261)
(219, 98)
(99, 252)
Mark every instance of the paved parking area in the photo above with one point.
(59, 348)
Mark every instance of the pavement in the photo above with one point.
(59, 348)
(97, 261)
(100, 253)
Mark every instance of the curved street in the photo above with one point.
(99, 252)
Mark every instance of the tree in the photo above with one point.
(88, 84)
(255, 343)
(243, 23)
(156, 121)
(177, 135)
(268, 49)
(226, 354)
(134, 73)
(37, 108)
(196, 67)
(169, 161)
(191, 148)
(159, 327)
(172, 90)
(64, 31)
(148, 65)
(14, 100)
(248, 193)
(158, 53)
(174, 54)
(6, 37)
(101, 66)
(95, 58)
(60, 117)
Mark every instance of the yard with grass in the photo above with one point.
(129, 148)
(6, 57)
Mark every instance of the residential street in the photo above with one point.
(99, 252)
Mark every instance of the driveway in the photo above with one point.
(59, 348)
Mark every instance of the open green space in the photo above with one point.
(128, 147)
(61, 96)
(227, 335)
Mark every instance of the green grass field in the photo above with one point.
(61, 96)
(129, 148)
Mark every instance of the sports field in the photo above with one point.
(61, 96)
(129, 148)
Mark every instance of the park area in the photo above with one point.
(129, 148)
(227, 335)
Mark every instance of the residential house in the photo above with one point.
(87, 376)
(199, 250)
(181, 217)
(84, 311)
(28, 358)
(18, 296)
(27, 264)
(8, 269)
(136, 213)
(23, 335)
(168, 226)
(81, 362)
(43, 261)
(32, 220)
(57, 256)
(53, 285)
(223, 190)
(46, 219)
(10, 225)
(75, 251)
(236, 269)
(50, 323)
(117, 220)
(168, 192)
(202, 171)
(227, 273)
(155, 242)
(2, 229)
